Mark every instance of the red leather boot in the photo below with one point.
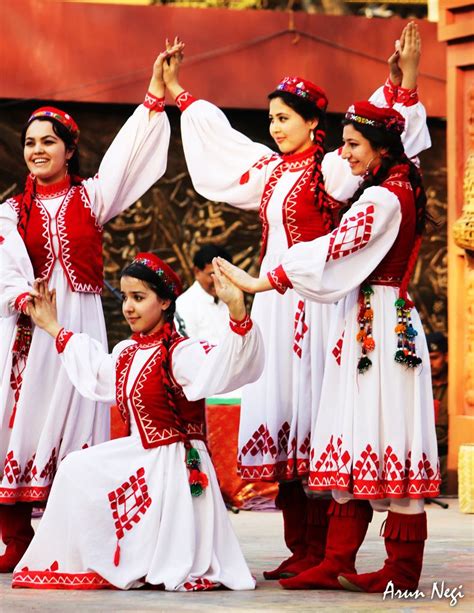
(292, 501)
(405, 537)
(317, 522)
(17, 532)
(348, 525)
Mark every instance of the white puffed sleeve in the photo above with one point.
(328, 268)
(205, 370)
(220, 159)
(416, 136)
(90, 368)
(135, 160)
(16, 271)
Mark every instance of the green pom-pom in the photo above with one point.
(400, 356)
(196, 489)
(400, 303)
(364, 364)
(192, 457)
(367, 290)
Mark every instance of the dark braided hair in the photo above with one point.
(154, 282)
(309, 111)
(29, 192)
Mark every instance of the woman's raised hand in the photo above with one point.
(43, 308)
(409, 55)
(242, 279)
(172, 65)
(229, 293)
(157, 83)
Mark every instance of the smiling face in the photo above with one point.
(358, 151)
(288, 129)
(45, 153)
(143, 309)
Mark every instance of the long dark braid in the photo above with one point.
(308, 111)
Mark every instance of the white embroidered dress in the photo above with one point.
(277, 410)
(169, 538)
(50, 417)
(374, 435)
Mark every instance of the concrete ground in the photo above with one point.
(448, 558)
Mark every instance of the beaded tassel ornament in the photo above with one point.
(364, 336)
(198, 480)
(406, 351)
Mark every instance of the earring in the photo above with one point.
(311, 135)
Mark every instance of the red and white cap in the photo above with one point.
(64, 118)
(366, 113)
(164, 272)
(304, 89)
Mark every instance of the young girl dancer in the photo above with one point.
(374, 438)
(54, 230)
(145, 508)
(290, 190)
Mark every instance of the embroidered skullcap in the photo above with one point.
(304, 89)
(64, 118)
(368, 114)
(164, 272)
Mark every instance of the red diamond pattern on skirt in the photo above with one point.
(283, 436)
(368, 464)
(305, 444)
(129, 502)
(332, 458)
(425, 470)
(337, 351)
(16, 379)
(12, 469)
(260, 442)
(393, 469)
(300, 329)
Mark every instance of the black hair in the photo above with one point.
(65, 135)
(145, 274)
(380, 138)
(309, 111)
(206, 254)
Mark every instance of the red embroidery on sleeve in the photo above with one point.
(62, 339)
(241, 327)
(407, 97)
(21, 302)
(390, 92)
(279, 279)
(353, 234)
(183, 100)
(153, 103)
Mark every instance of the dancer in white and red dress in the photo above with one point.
(54, 230)
(145, 508)
(289, 189)
(374, 439)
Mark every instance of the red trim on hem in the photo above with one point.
(183, 100)
(241, 327)
(283, 470)
(48, 580)
(279, 279)
(62, 339)
(24, 494)
(153, 103)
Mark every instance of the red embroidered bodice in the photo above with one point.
(155, 420)
(393, 266)
(79, 235)
(302, 220)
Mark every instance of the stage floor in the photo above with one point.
(449, 558)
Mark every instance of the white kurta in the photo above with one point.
(170, 538)
(203, 316)
(277, 410)
(51, 417)
(374, 436)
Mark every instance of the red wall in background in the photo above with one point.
(104, 53)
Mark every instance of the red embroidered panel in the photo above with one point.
(300, 328)
(261, 442)
(129, 502)
(337, 350)
(353, 234)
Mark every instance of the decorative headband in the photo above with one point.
(165, 273)
(367, 114)
(304, 89)
(64, 118)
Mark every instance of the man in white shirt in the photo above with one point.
(203, 314)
